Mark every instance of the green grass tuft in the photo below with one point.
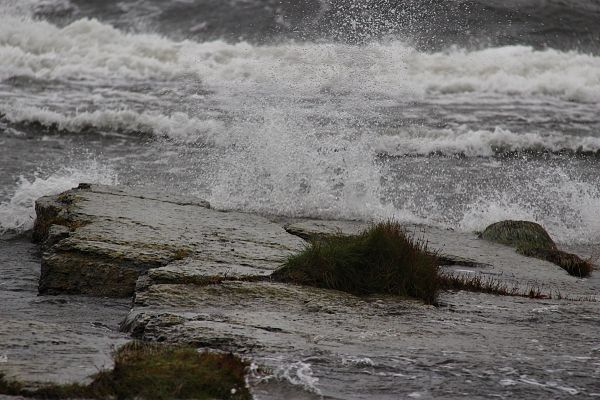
(153, 371)
(383, 259)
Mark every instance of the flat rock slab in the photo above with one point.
(309, 229)
(201, 276)
(116, 234)
(474, 345)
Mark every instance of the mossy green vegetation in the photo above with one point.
(181, 253)
(519, 234)
(8, 387)
(382, 259)
(153, 371)
(532, 240)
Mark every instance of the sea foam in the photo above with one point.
(18, 214)
(90, 49)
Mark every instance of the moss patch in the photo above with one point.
(380, 260)
(153, 371)
(181, 253)
(532, 240)
(8, 387)
(519, 234)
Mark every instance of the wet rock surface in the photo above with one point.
(116, 235)
(202, 277)
(532, 240)
(51, 338)
(472, 345)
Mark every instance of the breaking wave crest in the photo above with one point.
(18, 214)
(89, 49)
(419, 140)
(482, 143)
(178, 126)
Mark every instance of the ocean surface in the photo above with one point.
(454, 114)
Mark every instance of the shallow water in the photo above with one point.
(475, 346)
(51, 338)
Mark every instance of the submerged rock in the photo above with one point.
(532, 240)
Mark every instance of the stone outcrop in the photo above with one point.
(532, 240)
(519, 234)
(98, 240)
(202, 277)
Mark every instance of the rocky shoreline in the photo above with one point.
(199, 276)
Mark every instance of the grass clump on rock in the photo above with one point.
(153, 371)
(382, 259)
(532, 240)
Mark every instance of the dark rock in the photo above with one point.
(56, 233)
(571, 263)
(532, 240)
(519, 234)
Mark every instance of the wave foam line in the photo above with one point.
(407, 141)
(178, 126)
(89, 49)
(481, 143)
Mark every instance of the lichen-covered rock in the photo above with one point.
(519, 234)
(111, 235)
(54, 212)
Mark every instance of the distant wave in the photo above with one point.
(428, 23)
(176, 126)
(483, 143)
(399, 142)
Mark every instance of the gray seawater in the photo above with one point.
(451, 114)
